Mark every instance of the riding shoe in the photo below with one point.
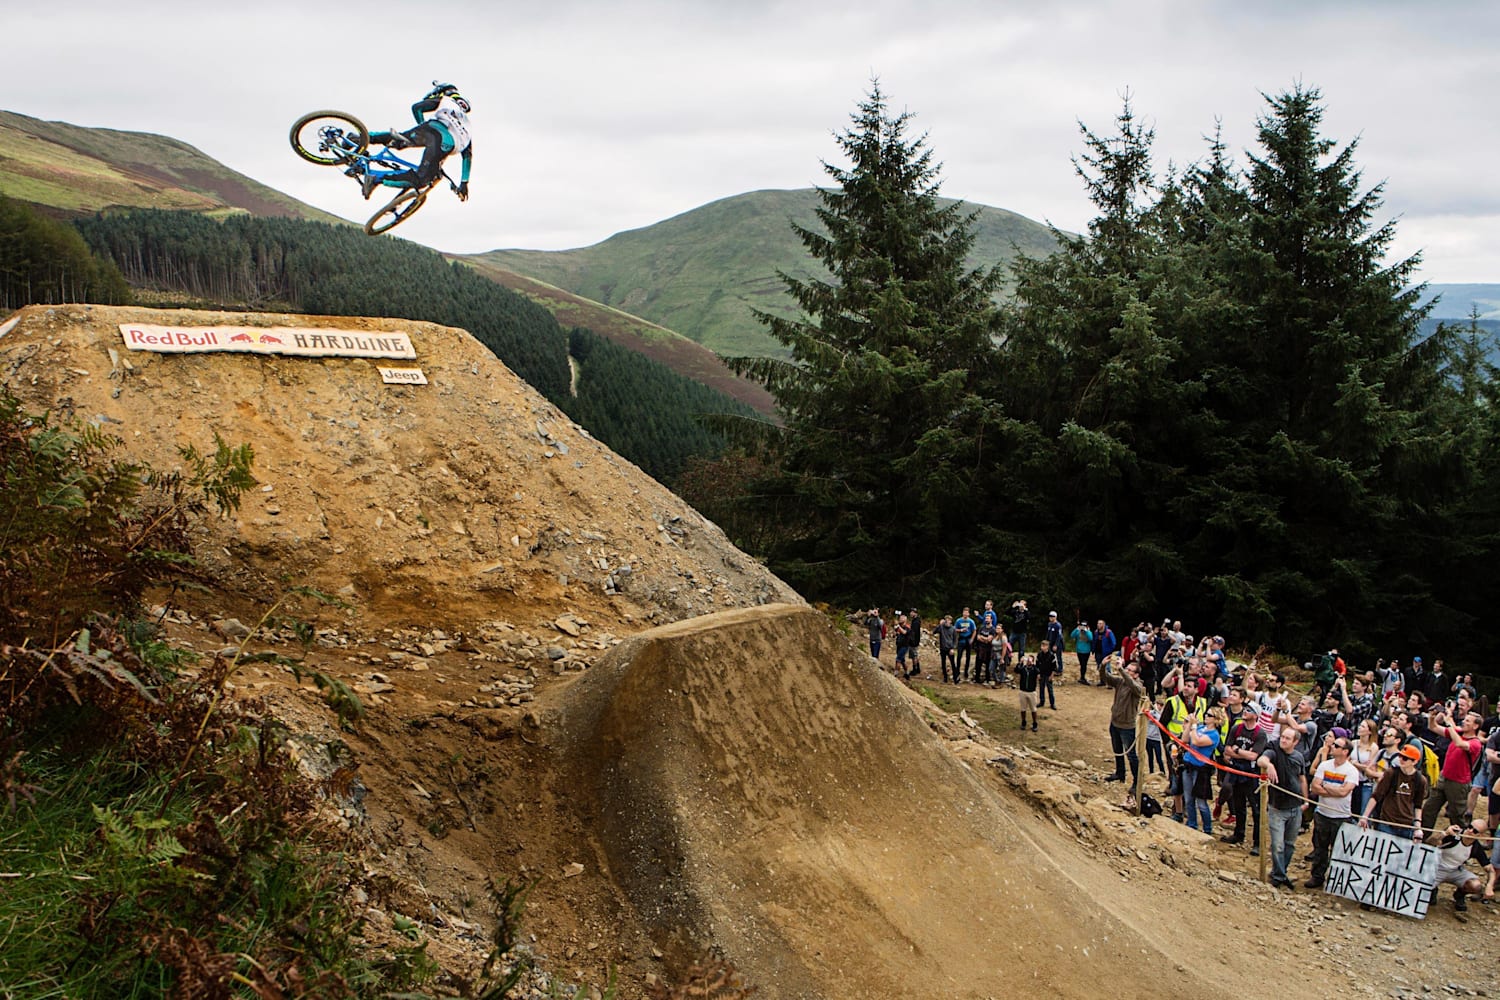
(369, 183)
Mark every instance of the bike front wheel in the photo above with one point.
(397, 211)
(329, 138)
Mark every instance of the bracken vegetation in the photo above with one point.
(156, 839)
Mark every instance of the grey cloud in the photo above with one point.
(592, 117)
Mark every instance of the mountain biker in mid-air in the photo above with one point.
(446, 132)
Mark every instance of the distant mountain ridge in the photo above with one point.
(703, 272)
(73, 169)
(1458, 301)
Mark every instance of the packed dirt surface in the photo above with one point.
(436, 503)
(573, 680)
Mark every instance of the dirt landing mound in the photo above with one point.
(762, 787)
(468, 498)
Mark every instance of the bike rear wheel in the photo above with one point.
(329, 138)
(397, 210)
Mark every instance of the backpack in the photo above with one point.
(1430, 766)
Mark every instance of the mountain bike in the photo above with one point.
(336, 139)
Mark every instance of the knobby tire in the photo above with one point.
(397, 210)
(323, 158)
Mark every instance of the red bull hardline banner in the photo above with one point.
(307, 342)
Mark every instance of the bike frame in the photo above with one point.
(378, 161)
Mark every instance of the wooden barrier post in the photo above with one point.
(1265, 829)
(1141, 726)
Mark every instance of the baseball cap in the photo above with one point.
(1410, 752)
(1340, 732)
(1416, 659)
(1052, 614)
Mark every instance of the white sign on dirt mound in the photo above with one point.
(1381, 870)
(308, 342)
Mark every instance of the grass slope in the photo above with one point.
(75, 169)
(681, 355)
(702, 273)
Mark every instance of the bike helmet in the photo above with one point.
(448, 90)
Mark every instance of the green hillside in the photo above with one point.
(702, 272)
(70, 170)
(683, 356)
(74, 170)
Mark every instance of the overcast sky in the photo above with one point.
(596, 117)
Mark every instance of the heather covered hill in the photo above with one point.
(702, 273)
(75, 169)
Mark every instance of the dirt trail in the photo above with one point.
(747, 780)
(767, 788)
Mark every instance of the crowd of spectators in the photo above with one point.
(1399, 747)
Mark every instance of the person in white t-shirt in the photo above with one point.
(1269, 699)
(1456, 847)
(1333, 783)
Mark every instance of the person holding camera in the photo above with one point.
(875, 626)
(1020, 617)
(1462, 756)
(1083, 648)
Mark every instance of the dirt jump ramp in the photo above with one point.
(760, 786)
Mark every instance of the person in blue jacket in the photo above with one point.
(1105, 644)
(963, 631)
(1055, 637)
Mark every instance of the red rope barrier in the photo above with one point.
(1168, 734)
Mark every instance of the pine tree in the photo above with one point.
(1333, 455)
(883, 427)
(1091, 347)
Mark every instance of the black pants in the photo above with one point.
(949, 660)
(1122, 743)
(431, 141)
(1325, 830)
(1244, 797)
(984, 662)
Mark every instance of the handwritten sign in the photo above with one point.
(1385, 871)
(403, 376)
